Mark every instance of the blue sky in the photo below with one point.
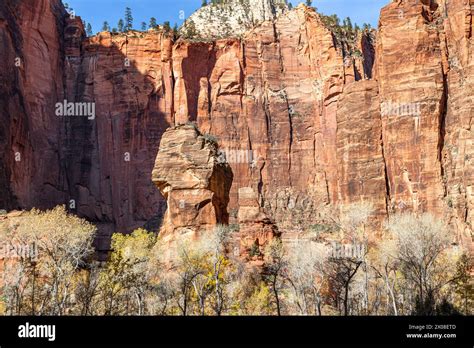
(98, 11)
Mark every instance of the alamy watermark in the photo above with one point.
(84, 109)
(233, 156)
(18, 251)
(391, 108)
(347, 251)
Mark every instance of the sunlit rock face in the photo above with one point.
(231, 18)
(424, 71)
(194, 182)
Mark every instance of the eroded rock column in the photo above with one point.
(194, 181)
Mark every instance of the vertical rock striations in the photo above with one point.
(31, 82)
(128, 78)
(412, 96)
(424, 64)
(361, 167)
(457, 134)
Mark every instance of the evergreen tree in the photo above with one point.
(128, 19)
(191, 31)
(152, 24)
(204, 3)
(175, 31)
(309, 3)
(106, 26)
(89, 29)
(348, 24)
(144, 26)
(120, 26)
(166, 27)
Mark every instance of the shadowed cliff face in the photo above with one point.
(99, 167)
(31, 80)
(297, 120)
(110, 158)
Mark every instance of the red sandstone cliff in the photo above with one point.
(298, 122)
(31, 81)
(194, 182)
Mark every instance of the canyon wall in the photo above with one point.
(301, 123)
(31, 81)
(424, 56)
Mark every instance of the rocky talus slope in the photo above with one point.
(300, 125)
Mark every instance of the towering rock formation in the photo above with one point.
(270, 97)
(413, 112)
(457, 135)
(194, 182)
(110, 158)
(361, 167)
(301, 122)
(31, 82)
(424, 60)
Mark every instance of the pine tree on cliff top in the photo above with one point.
(120, 26)
(166, 27)
(89, 30)
(153, 23)
(128, 19)
(106, 26)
